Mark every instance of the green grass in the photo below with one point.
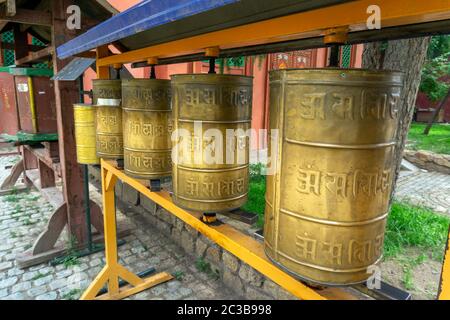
(73, 294)
(205, 267)
(40, 275)
(178, 275)
(438, 139)
(11, 198)
(412, 226)
(407, 226)
(256, 193)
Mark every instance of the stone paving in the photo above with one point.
(428, 189)
(24, 215)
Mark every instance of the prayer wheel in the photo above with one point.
(147, 119)
(212, 118)
(329, 197)
(84, 119)
(107, 95)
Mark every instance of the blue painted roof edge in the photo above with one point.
(141, 17)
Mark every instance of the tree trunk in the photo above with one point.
(407, 56)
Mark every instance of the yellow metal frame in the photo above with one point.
(444, 287)
(112, 271)
(242, 246)
(300, 25)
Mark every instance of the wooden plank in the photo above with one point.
(20, 43)
(41, 55)
(27, 259)
(41, 154)
(25, 16)
(11, 180)
(46, 175)
(87, 54)
(10, 46)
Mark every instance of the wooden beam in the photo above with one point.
(3, 24)
(41, 55)
(20, 43)
(66, 94)
(10, 46)
(87, 54)
(32, 17)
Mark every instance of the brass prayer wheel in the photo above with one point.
(147, 122)
(205, 106)
(84, 119)
(107, 95)
(106, 90)
(327, 203)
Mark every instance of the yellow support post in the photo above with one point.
(113, 270)
(32, 105)
(242, 246)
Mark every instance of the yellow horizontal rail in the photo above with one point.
(242, 246)
(301, 25)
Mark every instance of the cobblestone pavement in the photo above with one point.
(24, 215)
(429, 189)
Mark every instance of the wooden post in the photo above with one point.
(20, 42)
(66, 94)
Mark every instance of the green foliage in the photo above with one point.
(33, 197)
(432, 71)
(72, 255)
(73, 294)
(408, 278)
(205, 267)
(435, 67)
(438, 45)
(178, 275)
(40, 275)
(70, 260)
(413, 226)
(28, 222)
(11, 198)
(438, 139)
(257, 191)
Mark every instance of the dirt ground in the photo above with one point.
(414, 271)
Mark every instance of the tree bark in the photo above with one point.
(407, 56)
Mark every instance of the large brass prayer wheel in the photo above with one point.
(327, 203)
(84, 119)
(107, 95)
(211, 175)
(147, 122)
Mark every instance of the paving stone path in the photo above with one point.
(429, 189)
